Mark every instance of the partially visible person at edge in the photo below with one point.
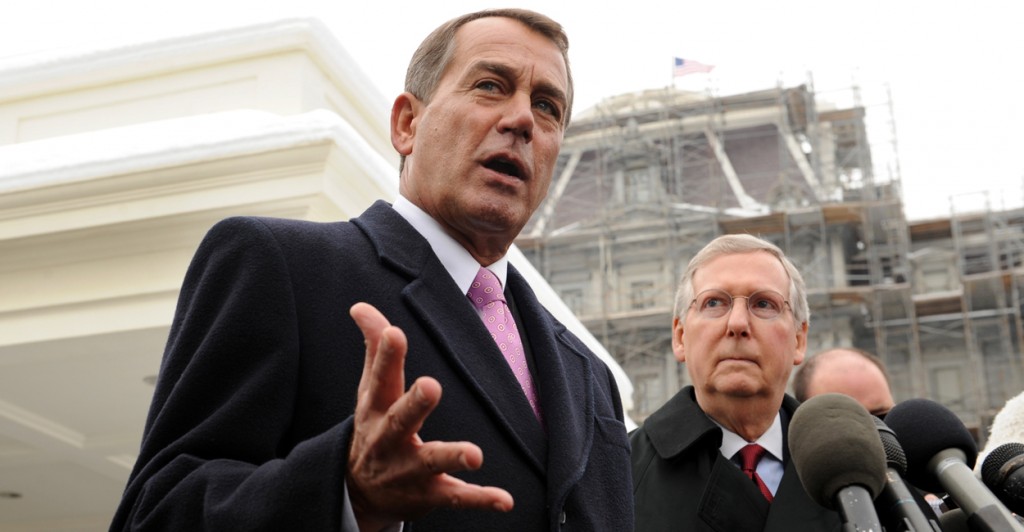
(862, 376)
(1007, 427)
(281, 402)
(740, 325)
(846, 370)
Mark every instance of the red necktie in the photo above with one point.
(487, 296)
(749, 457)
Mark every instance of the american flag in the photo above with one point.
(682, 67)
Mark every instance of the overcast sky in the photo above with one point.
(952, 68)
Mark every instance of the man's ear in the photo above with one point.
(678, 347)
(801, 344)
(404, 114)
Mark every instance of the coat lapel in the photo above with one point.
(565, 382)
(465, 343)
(728, 490)
(450, 320)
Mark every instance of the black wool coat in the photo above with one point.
(252, 413)
(681, 481)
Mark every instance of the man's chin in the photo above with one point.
(492, 218)
(739, 387)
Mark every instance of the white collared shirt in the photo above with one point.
(455, 259)
(770, 468)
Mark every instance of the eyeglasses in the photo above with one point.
(715, 303)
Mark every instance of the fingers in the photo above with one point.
(387, 373)
(407, 414)
(441, 458)
(383, 377)
(370, 321)
(381, 386)
(462, 495)
(446, 457)
(372, 324)
(392, 472)
(485, 498)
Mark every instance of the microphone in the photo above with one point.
(896, 499)
(839, 458)
(1003, 473)
(940, 457)
(954, 521)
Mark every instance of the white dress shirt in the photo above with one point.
(455, 259)
(770, 467)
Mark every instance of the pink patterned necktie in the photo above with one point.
(488, 298)
(749, 457)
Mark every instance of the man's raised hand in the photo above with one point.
(393, 475)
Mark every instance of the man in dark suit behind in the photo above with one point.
(281, 402)
(740, 325)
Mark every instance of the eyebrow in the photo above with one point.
(752, 292)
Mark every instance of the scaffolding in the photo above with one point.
(645, 180)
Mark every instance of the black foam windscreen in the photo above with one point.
(924, 428)
(997, 459)
(834, 444)
(894, 455)
(1003, 473)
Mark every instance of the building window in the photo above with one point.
(948, 387)
(641, 295)
(638, 187)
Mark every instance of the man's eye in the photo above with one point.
(488, 86)
(766, 303)
(547, 107)
(713, 303)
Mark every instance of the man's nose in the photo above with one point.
(518, 117)
(739, 317)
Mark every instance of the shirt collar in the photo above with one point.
(771, 440)
(455, 259)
